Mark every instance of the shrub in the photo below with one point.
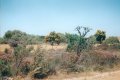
(5, 68)
(112, 40)
(22, 37)
(69, 63)
(42, 67)
(101, 60)
(25, 68)
(2, 41)
(45, 69)
(114, 46)
(53, 38)
(78, 43)
(92, 39)
(72, 41)
(19, 54)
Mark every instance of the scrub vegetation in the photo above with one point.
(39, 57)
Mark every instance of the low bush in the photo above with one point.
(112, 40)
(42, 66)
(25, 68)
(2, 41)
(5, 68)
(114, 46)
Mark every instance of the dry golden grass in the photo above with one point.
(42, 46)
(48, 46)
(3, 47)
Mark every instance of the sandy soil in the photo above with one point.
(114, 75)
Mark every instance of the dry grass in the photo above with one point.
(3, 47)
(113, 75)
(48, 46)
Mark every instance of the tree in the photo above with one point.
(100, 36)
(53, 38)
(76, 42)
(82, 42)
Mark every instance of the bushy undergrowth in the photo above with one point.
(42, 66)
(112, 40)
(83, 54)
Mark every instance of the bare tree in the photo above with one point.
(82, 31)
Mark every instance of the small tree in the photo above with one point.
(82, 43)
(53, 38)
(76, 42)
(100, 36)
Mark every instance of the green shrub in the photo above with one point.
(114, 46)
(5, 68)
(78, 43)
(72, 40)
(2, 41)
(112, 40)
(22, 37)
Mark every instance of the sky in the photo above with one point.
(40, 17)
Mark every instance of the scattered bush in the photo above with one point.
(112, 40)
(22, 37)
(43, 65)
(114, 46)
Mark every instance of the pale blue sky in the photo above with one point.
(42, 16)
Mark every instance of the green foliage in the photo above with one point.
(53, 38)
(92, 39)
(5, 68)
(112, 40)
(62, 37)
(78, 43)
(22, 37)
(72, 40)
(100, 36)
(114, 46)
(2, 41)
(20, 53)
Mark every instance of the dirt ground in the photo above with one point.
(113, 75)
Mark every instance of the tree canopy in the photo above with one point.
(100, 36)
